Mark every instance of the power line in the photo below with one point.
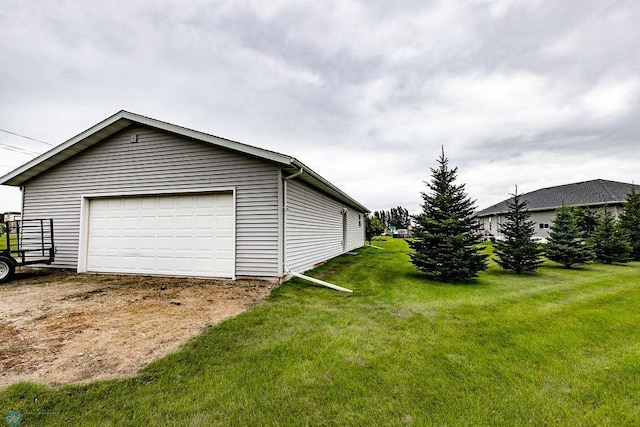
(17, 149)
(27, 137)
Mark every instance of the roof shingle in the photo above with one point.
(597, 192)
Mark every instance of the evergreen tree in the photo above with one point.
(518, 252)
(565, 244)
(608, 241)
(630, 222)
(586, 220)
(445, 243)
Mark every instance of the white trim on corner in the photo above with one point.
(235, 233)
(84, 234)
(85, 211)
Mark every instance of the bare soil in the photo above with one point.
(61, 327)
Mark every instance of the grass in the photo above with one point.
(559, 347)
(13, 241)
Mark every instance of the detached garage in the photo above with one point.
(141, 196)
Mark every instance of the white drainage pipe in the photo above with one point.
(319, 282)
(374, 246)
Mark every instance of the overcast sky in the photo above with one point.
(533, 93)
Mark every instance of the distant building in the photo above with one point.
(403, 233)
(595, 195)
(12, 216)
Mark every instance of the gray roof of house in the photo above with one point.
(122, 119)
(597, 192)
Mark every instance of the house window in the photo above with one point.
(544, 226)
(359, 220)
(541, 226)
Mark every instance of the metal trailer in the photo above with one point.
(25, 242)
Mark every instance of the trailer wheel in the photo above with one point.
(7, 269)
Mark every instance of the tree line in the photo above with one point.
(382, 220)
(446, 236)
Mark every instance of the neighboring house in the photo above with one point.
(595, 195)
(137, 195)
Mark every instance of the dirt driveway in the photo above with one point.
(60, 327)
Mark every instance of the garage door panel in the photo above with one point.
(172, 235)
(165, 243)
(224, 244)
(130, 223)
(129, 243)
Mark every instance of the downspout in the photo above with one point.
(285, 207)
(319, 282)
(284, 242)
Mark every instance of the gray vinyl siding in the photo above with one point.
(314, 227)
(356, 230)
(162, 162)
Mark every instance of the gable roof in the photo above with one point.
(597, 192)
(123, 119)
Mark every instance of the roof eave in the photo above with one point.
(64, 151)
(116, 123)
(315, 179)
(553, 208)
(123, 119)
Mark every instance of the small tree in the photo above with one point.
(608, 241)
(445, 243)
(375, 227)
(382, 216)
(630, 222)
(565, 244)
(518, 252)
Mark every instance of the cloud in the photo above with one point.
(366, 93)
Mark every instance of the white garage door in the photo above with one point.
(181, 235)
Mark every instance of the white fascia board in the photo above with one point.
(122, 119)
(14, 177)
(115, 123)
(212, 139)
(329, 187)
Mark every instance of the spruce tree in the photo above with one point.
(518, 252)
(586, 220)
(630, 222)
(445, 244)
(608, 241)
(565, 244)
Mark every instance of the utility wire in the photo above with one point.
(17, 149)
(27, 137)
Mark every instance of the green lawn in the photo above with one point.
(561, 347)
(13, 241)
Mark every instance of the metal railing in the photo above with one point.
(30, 241)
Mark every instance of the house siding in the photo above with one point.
(490, 223)
(314, 227)
(162, 162)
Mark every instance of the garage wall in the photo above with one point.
(356, 230)
(161, 162)
(314, 227)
